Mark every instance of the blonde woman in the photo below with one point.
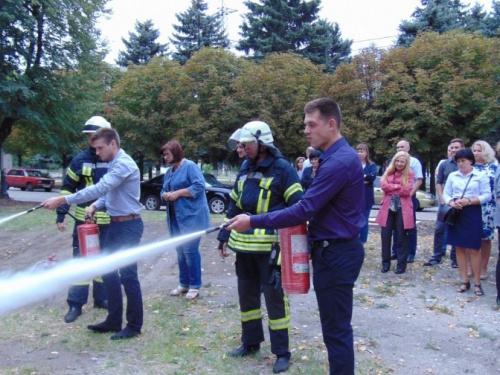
(396, 210)
(299, 165)
(485, 162)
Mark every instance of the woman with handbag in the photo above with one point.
(396, 210)
(465, 190)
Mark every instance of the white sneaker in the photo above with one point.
(192, 294)
(178, 291)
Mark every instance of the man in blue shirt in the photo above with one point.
(118, 191)
(334, 206)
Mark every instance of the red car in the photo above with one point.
(28, 179)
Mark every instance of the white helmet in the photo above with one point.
(253, 131)
(95, 123)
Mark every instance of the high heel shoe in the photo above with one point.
(478, 290)
(464, 287)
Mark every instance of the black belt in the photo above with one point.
(326, 243)
(125, 218)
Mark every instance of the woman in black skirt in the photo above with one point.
(465, 190)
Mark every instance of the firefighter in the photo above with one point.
(85, 169)
(265, 183)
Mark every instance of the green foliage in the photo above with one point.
(442, 16)
(197, 30)
(141, 46)
(276, 91)
(441, 87)
(145, 103)
(42, 42)
(292, 26)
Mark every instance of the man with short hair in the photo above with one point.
(307, 162)
(416, 167)
(118, 191)
(334, 205)
(444, 170)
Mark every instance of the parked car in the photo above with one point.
(28, 179)
(217, 193)
(424, 199)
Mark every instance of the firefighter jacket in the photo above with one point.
(85, 169)
(265, 187)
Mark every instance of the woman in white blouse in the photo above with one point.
(465, 190)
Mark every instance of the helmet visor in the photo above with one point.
(242, 136)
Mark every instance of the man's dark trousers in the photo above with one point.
(123, 235)
(336, 268)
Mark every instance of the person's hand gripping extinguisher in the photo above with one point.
(89, 213)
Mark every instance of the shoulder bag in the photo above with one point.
(448, 214)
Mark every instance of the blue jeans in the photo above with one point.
(363, 235)
(123, 235)
(440, 233)
(78, 293)
(188, 258)
(336, 268)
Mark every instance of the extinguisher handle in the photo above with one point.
(89, 219)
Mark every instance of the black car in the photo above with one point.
(217, 193)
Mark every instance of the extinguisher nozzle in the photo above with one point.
(213, 229)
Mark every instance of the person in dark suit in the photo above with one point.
(370, 173)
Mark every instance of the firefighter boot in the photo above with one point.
(73, 314)
(282, 363)
(244, 350)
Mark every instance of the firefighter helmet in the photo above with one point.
(95, 123)
(253, 131)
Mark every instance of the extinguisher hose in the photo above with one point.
(68, 213)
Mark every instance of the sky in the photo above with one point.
(365, 22)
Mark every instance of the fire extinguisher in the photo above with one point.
(88, 238)
(294, 259)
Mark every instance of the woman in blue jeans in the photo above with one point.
(187, 211)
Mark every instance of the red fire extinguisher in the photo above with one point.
(88, 239)
(294, 259)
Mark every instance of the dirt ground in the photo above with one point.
(413, 323)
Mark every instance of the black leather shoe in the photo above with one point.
(433, 262)
(244, 350)
(73, 314)
(101, 304)
(411, 259)
(399, 271)
(104, 327)
(282, 364)
(385, 269)
(125, 333)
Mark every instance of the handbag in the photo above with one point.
(448, 214)
(395, 203)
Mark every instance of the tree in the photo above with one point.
(442, 16)
(209, 119)
(142, 45)
(292, 26)
(355, 86)
(441, 87)
(144, 106)
(275, 91)
(40, 42)
(197, 30)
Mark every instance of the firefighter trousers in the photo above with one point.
(253, 272)
(78, 293)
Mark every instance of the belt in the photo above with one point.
(326, 243)
(125, 218)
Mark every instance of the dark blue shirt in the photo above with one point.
(334, 204)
